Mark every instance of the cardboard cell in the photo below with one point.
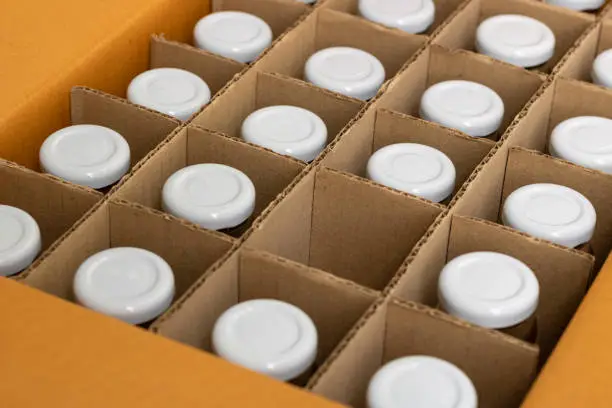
(189, 251)
(500, 367)
(391, 127)
(345, 225)
(257, 90)
(269, 172)
(567, 25)
(332, 303)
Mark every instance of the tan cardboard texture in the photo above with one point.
(256, 90)
(578, 63)
(102, 360)
(54, 204)
(188, 250)
(328, 28)
(444, 9)
(567, 25)
(330, 209)
(332, 303)
(500, 367)
(269, 172)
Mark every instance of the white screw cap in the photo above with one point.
(307, 1)
(89, 155)
(552, 212)
(130, 284)
(516, 39)
(267, 336)
(172, 91)
(412, 16)
(233, 34)
(20, 240)
(421, 382)
(488, 289)
(578, 4)
(602, 69)
(414, 168)
(214, 196)
(468, 106)
(287, 130)
(348, 71)
(584, 140)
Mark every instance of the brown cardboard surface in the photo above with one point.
(101, 360)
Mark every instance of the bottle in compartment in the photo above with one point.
(89, 155)
(20, 240)
(287, 130)
(601, 73)
(552, 212)
(411, 16)
(233, 34)
(516, 39)
(580, 5)
(347, 71)
(421, 382)
(491, 290)
(267, 336)
(415, 169)
(131, 284)
(467, 106)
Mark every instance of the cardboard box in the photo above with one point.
(360, 258)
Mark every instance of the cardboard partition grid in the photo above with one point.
(563, 274)
(334, 304)
(567, 25)
(190, 251)
(54, 204)
(256, 90)
(345, 225)
(353, 151)
(444, 10)
(436, 64)
(500, 367)
(578, 64)
(269, 172)
(329, 28)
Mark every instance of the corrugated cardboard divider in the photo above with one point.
(514, 85)
(500, 367)
(392, 127)
(189, 251)
(142, 128)
(334, 304)
(567, 25)
(345, 225)
(444, 9)
(328, 28)
(269, 172)
(257, 90)
(216, 71)
(54, 204)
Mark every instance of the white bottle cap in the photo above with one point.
(412, 16)
(20, 240)
(578, 4)
(421, 382)
(267, 336)
(584, 140)
(172, 91)
(214, 196)
(488, 289)
(602, 69)
(552, 212)
(287, 130)
(414, 168)
(470, 107)
(131, 284)
(348, 71)
(516, 39)
(89, 155)
(233, 34)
